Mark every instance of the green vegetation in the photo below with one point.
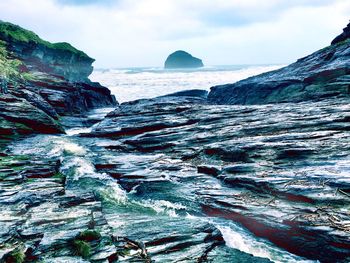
(16, 33)
(9, 68)
(81, 248)
(82, 243)
(59, 175)
(15, 256)
(89, 235)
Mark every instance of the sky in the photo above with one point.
(137, 33)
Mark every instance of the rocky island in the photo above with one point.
(174, 178)
(182, 59)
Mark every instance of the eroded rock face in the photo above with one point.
(60, 59)
(182, 59)
(323, 74)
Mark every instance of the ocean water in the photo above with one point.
(136, 83)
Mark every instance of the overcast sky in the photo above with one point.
(126, 33)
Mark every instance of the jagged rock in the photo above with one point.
(38, 101)
(343, 36)
(19, 117)
(77, 98)
(323, 74)
(182, 59)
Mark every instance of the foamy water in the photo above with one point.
(132, 84)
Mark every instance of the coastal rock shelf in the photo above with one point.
(284, 179)
(175, 177)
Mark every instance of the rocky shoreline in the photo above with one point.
(57, 85)
(171, 179)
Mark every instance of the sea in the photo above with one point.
(129, 84)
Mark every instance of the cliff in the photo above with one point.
(47, 80)
(325, 73)
(60, 59)
(182, 59)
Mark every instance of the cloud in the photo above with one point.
(143, 32)
(85, 2)
(242, 12)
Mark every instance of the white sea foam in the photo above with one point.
(163, 206)
(49, 146)
(132, 84)
(237, 238)
(83, 168)
(76, 131)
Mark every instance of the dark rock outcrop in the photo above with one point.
(197, 93)
(19, 117)
(343, 36)
(182, 59)
(323, 74)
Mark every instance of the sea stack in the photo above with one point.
(182, 59)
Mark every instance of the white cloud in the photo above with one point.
(144, 32)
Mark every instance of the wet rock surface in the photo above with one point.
(283, 178)
(56, 188)
(41, 219)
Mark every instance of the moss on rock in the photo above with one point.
(15, 256)
(17, 33)
(89, 235)
(81, 248)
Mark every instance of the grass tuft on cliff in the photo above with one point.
(10, 68)
(9, 31)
